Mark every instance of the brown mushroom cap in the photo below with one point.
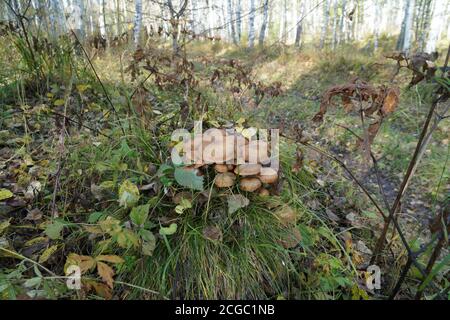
(225, 180)
(263, 192)
(221, 168)
(250, 184)
(268, 175)
(248, 169)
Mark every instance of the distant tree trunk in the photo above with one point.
(335, 24)
(299, 31)
(378, 7)
(437, 23)
(118, 20)
(56, 18)
(342, 23)
(210, 18)
(238, 20)
(326, 16)
(404, 41)
(194, 15)
(283, 30)
(231, 22)
(262, 32)
(137, 22)
(424, 28)
(251, 25)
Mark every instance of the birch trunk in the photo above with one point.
(262, 32)
(251, 25)
(137, 22)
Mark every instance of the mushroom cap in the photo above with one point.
(247, 169)
(268, 175)
(263, 192)
(225, 180)
(230, 167)
(221, 168)
(250, 184)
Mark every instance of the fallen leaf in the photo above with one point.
(106, 273)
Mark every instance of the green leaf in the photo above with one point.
(128, 194)
(140, 214)
(444, 263)
(53, 230)
(236, 202)
(148, 242)
(189, 179)
(169, 230)
(3, 225)
(59, 102)
(33, 282)
(5, 194)
(94, 217)
(163, 169)
(184, 204)
(48, 253)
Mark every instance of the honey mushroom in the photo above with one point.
(250, 184)
(221, 168)
(225, 180)
(248, 169)
(268, 175)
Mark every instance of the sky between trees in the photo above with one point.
(417, 24)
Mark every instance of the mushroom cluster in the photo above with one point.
(235, 159)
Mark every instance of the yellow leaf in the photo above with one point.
(110, 258)
(35, 240)
(5, 194)
(82, 87)
(93, 229)
(48, 253)
(59, 102)
(3, 225)
(106, 273)
(84, 262)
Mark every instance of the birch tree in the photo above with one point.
(251, 25)
(437, 23)
(326, 15)
(262, 32)
(299, 30)
(404, 41)
(231, 22)
(238, 20)
(137, 22)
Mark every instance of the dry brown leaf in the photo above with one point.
(109, 258)
(390, 101)
(106, 273)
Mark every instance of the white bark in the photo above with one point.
(262, 32)
(326, 16)
(251, 25)
(137, 22)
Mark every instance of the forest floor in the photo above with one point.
(62, 202)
